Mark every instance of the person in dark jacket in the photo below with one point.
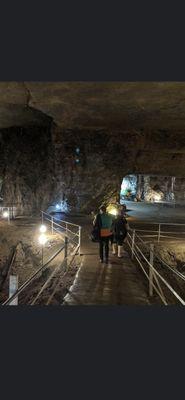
(103, 221)
(119, 233)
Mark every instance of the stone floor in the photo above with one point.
(118, 283)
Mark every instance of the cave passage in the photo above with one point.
(67, 148)
(152, 188)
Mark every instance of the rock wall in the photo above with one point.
(168, 187)
(89, 177)
(27, 168)
(42, 165)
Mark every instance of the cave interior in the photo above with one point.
(71, 145)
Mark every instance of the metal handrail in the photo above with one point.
(66, 223)
(53, 273)
(177, 273)
(159, 233)
(164, 281)
(70, 240)
(153, 268)
(161, 223)
(29, 280)
(57, 219)
(154, 286)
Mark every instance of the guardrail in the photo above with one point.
(73, 231)
(154, 277)
(70, 237)
(159, 233)
(8, 213)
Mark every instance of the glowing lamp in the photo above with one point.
(42, 239)
(43, 229)
(5, 214)
(113, 211)
(124, 185)
(157, 197)
(57, 206)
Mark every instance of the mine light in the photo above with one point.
(124, 185)
(157, 197)
(5, 214)
(112, 210)
(43, 228)
(62, 206)
(42, 239)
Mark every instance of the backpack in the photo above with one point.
(95, 233)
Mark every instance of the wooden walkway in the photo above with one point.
(120, 282)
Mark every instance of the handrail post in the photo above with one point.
(151, 269)
(66, 227)
(133, 243)
(159, 233)
(52, 225)
(66, 247)
(42, 250)
(80, 239)
(13, 286)
(8, 215)
(42, 217)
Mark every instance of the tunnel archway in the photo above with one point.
(152, 188)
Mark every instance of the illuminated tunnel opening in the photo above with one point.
(150, 188)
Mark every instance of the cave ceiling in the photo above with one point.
(111, 106)
(121, 128)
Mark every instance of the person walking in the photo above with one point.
(103, 221)
(119, 233)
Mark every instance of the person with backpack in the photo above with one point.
(119, 233)
(103, 223)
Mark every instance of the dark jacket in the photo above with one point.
(120, 228)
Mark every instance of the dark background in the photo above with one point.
(88, 352)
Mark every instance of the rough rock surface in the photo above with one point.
(120, 127)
